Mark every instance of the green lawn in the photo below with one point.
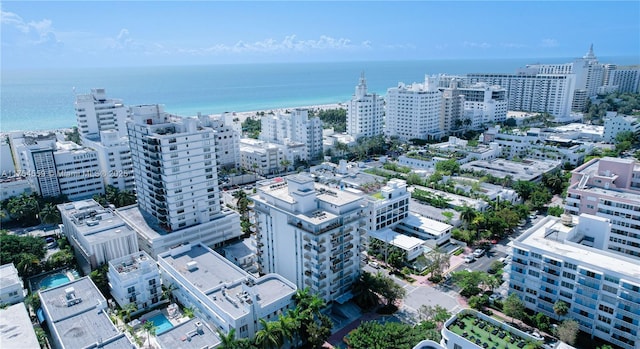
(378, 195)
(474, 329)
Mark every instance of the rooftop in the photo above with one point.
(93, 221)
(132, 262)
(402, 241)
(17, 330)
(9, 275)
(551, 235)
(188, 335)
(526, 170)
(429, 225)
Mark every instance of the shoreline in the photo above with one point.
(241, 115)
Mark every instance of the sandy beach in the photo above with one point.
(242, 116)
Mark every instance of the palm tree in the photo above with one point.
(125, 198)
(150, 328)
(285, 164)
(288, 327)
(228, 341)
(269, 336)
(467, 214)
(50, 214)
(363, 289)
(560, 308)
(126, 311)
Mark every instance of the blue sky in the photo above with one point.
(123, 33)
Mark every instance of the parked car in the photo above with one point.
(469, 258)
(478, 253)
(374, 265)
(495, 297)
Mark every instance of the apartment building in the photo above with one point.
(625, 79)
(310, 234)
(615, 123)
(365, 112)
(55, 167)
(96, 233)
(557, 260)
(609, 188)
(114, 158)
(12, 289)
(135, 278)
(221, 293)
(389, 207)
(176, 176)
(413, 111)
(452, 107)
(227, 140)
(262, 157)
(295, 126)
(484, 104)
(95, 113)
(532, 91)
(76, 315)
(18, 331)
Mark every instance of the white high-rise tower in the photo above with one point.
(365, 112)
(95, 113)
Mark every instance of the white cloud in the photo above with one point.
(12, 19)
(35, 32)
(482, 45)
(549, 43)
(288, 43)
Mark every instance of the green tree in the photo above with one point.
(99, 277)
(524, 188)
(542, 322)
(150, 328)
(364, 291)
(269, 336)
(556, 211)
(390, 291)
(74, 136)
(23, 209)
(560, 308)
(448, 167)
(50, 214)
(567, 331)
(436, 314)
(127, 310)
(467, 215)
(513, 307)
(439, 261)
(61, 259)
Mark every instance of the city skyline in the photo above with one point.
(102, 34)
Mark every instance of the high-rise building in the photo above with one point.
(114, 158)
(556, 260)
(175, 171)
(365, 112)
(95, 113)
(484, 104)
(609, 188)
(296, 126)
(413, 111)
(625, 79)
(310, 234)
(529, 90)
(452, 109)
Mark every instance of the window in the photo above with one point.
(131, 289)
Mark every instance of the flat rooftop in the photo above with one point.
(526, 170)
(550, 235)
(94, 222)
(428, 225)
(147, 227)
(432, 212)
(9, 275)
(187, 336)
(85, 322)
(402, 241)
(16, 328)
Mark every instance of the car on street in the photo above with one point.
(478, 253)
(374, 265)
(469, 258)
(495, 297)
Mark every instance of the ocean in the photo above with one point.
(43, 99)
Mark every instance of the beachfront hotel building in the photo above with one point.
(295, 126)
(96, 233)
(615, 123)
(95, 113)
(76, 315)
(532, 91)
(365, 112)
(135, 278)
(56, 167)
(310, 234)
(559, 260)
(452, 105)
(623, 79)
(221, 293)
(11, 286)
(609, 188)
(484, 104)
(413, 111)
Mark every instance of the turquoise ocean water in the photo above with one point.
(43, 99)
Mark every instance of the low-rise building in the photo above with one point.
(96, 233)
(432, 232)
(194, 333)
(12, 289)
(412, 246)
(615, 123)
(14, 186)
(527, 170)
(135, 279)
(388, 207)
(76, 315)
(557, 260)
(224, 295)
(17, 329)
(261, 157)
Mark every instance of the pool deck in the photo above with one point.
(36, 280)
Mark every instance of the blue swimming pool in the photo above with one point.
(54, 280)
(161, 322)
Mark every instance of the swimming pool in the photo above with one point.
(161, 322)
(54, 280)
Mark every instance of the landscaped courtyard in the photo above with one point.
(488, 335)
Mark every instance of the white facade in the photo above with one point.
(609, 188)
(14, 186)
(625, 79)
(391, 209)
(135, 278)
(222, 294)
(227, 139)
(175, 167)
(452, 107)
(261, 157)
(484, 104)
(57, 167)
(114, 157)
(296, 126)
(551, 93)
(7, 167)
(95, 113)
(615, 123)
(432, 232)
(310, 234)
(12, 289)
(556, 261)
(365, 112)
(97, 235)
(413, 111)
